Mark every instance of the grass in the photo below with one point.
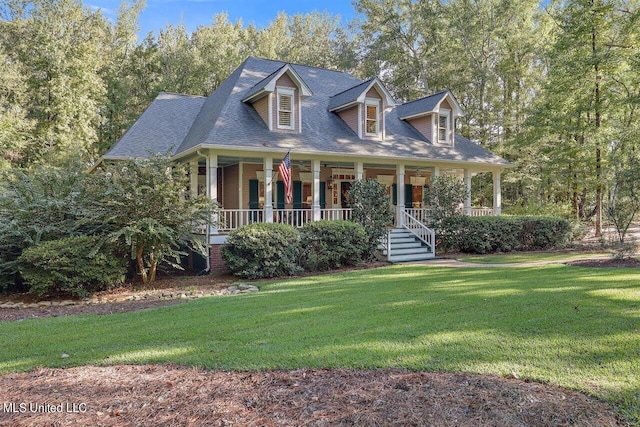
(574, 327)
(531, 257)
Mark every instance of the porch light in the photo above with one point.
(330, 183)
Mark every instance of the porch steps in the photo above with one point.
(406, 247)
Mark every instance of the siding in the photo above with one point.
(373, 93)
(424, 125)
(231, 184)
(262, 107)
(445, 104)
(350, 117)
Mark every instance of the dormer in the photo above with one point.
(433, 116)
(362, 108)
(278, 99)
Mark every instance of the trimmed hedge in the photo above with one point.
(332, 244)
(490, 234)
(70, 266)
(262, 250)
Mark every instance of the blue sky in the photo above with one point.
(192, 13)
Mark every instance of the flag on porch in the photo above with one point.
(285, 173)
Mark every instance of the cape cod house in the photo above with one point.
(337, 129)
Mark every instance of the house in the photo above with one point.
(337, 129)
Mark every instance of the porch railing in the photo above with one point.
(421, 231)
(230, 219)
(481, 211)
(293, 217)
(335, 214)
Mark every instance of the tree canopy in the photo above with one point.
(553, 87)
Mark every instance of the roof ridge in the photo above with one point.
(179, 94)
(354, 86)
(303, 65)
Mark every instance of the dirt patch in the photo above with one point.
(606, 262)
(166, 395)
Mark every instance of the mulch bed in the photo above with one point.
(606, 262)
(167, 395)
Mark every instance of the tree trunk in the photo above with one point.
(140, 261)
(152, 267)
(597, 106)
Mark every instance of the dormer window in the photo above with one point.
(443, 127)
(372, 127)
(285, 109)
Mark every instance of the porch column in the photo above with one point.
(467, 200)
(400, 194)
(359, 171)
(268, 189)
(436, 171)
(193, 178)
(212, 185)
(497, 194)
(315, 193)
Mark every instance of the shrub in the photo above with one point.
(71, 266)
(262, 250)
(332, 244)
(504, 233)
(369, 202)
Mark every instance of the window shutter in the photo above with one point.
(297, 194)
(323, 194)
(284, 111)
(253, 194)
(394, 191)
(281, 195)
(408, 195)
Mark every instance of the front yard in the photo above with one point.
(569, 326)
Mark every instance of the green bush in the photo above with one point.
(490, 234)
(332, 244)
(70, 266)
(262, 250)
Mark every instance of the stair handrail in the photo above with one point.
(421, 231)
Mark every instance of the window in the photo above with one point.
(285, 109)
(371, 118)
(443, 127)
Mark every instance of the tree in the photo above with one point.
(144, 204)
(59, 45)
(370, 208)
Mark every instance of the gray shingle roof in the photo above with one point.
(225, 121)
(161, 128)
(348, 96)
(422, 105)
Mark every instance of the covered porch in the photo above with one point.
(248, 188)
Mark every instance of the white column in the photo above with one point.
(193, 178)
(497, 194)
(400, 195)
(467, 200)
(315, 192)
(268, 189)
(359, 171)
(436, 172)
(212, 185)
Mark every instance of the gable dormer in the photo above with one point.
(433, 116)
(362, 108)
(278, 99)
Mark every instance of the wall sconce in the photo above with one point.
(330, 183)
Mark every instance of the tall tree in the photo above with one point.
(59, 44)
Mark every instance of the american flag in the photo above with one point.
(285, 173)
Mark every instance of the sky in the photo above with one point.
(192, 13)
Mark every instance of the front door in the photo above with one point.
(345, 186)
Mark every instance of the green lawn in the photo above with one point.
(575, 327)
(531, 257)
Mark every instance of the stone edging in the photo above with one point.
(160, 294)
